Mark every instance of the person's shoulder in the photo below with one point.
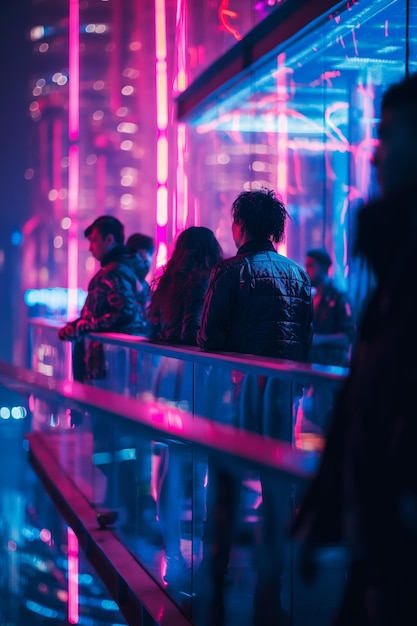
(228, 263)
(119, 268)
(224, 268)
(292, 267)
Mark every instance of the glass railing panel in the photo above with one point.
(46, 577)
(210, 527)
(245, 548)
(47, 354)
(267, 404)
(116, 367)
(67, 428)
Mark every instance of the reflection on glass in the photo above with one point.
(303, 122)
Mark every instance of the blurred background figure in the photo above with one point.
(333, 323)
(333, 336)
(365, 493)
(144, 248)
(174, 317)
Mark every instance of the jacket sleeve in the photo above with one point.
(217, 309)
(121, 304)
(193, 306)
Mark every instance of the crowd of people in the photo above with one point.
(262, 303)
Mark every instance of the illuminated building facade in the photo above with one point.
(161, 111)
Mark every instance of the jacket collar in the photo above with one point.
(115, 254)
(256, 245)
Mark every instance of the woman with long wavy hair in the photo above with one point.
(178, 293)
(174, 317)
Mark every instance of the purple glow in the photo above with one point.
(74, 70)
(73, 613)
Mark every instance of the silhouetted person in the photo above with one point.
(258, 302)
(174, 317)
(365, 492)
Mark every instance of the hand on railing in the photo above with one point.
(74, 330)
(67, 332)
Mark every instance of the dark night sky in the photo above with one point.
(14, 208)
(13, 112)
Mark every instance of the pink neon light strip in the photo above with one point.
(74, 69)
(282, 138)
(73, 177)
(73, 165)
(73, 562)
(56, 164)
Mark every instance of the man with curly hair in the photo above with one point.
(258, 302)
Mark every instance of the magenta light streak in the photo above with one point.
(73, 166)
(182, 180)
(73, 231)
(73, 613)
(282, 137)
(43, 157)
(56, 164)
(74, 70)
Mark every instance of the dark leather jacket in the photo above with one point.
(258, 302)
(111, 302)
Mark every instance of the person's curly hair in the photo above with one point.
(262, 213)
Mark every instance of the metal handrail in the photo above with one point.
(164, 420)
(294, 371)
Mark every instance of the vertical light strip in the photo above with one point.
(115, 55)
(182, 181)
(101, 169)
(282, 137)
(162, 123)
(73, 563)
(57, 165)
(74, 69)
(43, 157)
(73, 165)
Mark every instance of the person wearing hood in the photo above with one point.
(111, 303)
(111, 306)
(365, 491)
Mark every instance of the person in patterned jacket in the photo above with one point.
(112, 298)
(112, 304)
